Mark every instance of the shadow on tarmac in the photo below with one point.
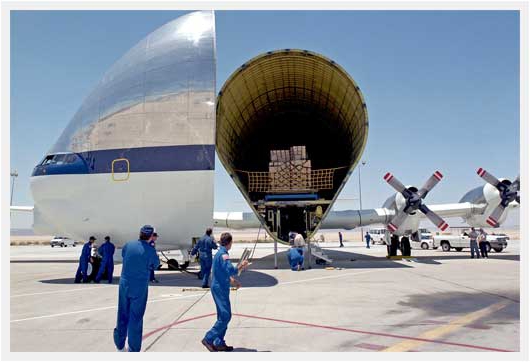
(250, 279)
(453, 303)
(242, 349)
(341, 259)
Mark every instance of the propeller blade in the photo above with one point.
(493, 220)
(488, 177)
(435, 219)
(395, 183)
(431, 182)
(396, 221)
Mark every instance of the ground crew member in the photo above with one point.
(83, 261)
(152, 242)
(295, 256)
(367, 237)
(204, 246)
(483, 243)
(473, 243)
(223, 272)
(299, 240)
(106, 250)
(340, 240)
(138, 259)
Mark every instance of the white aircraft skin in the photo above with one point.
(82, 205)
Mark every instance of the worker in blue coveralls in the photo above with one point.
(106, 250)
(138, 259)
(223, 276)
(83, 261)
(295, 256)
(204, 246)
(152, 242)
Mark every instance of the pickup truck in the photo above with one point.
(459, 242)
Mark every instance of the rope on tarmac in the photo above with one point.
(256, 243)
(175, 321)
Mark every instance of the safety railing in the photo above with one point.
(291, 178)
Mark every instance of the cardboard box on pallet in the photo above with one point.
(300, 174)
(280, 155)
(298, 153)
(280, 175)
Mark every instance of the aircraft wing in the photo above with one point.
(22, 208)
(460, 209)
(350, 219)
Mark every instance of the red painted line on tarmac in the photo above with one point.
(374, 333)
(340, 329)
(174, 324)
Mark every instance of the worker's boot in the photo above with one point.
(223, 348)
(209, 345)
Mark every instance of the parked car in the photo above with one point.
(459, 242)
(425, 243)
(61, 241)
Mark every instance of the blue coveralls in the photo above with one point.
(152, 271)
(367, 237)
(205, 246)
(138, 259)
(83, 263)
(295, 257)
(107, 262)
(222, 271)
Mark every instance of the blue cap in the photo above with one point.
(147, 230)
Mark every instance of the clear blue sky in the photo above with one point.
(442, 88)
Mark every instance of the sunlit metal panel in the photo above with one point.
(160, 93)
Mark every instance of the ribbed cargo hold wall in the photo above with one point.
(290, 97)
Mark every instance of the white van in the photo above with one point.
(377, 235)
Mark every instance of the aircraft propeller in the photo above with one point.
(508, 191)
(413, 199)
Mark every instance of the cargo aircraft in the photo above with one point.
(141, 149)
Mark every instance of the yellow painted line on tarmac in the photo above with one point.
(441, 331)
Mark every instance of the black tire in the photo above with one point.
(498, 250)
(459, 249)
(185, 265)
(488, 247)
(62, 245)
(394, 242)
(446, 246)
(53, 245)
(405, 246)
(435, 247)
(424, 246)
(172, 264)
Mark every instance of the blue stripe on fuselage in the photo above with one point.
(143, 159)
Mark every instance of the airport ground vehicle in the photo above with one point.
(425, 243)
(377, 235)
(459, 242)
(61, 241)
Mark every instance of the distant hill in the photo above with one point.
(22, 232)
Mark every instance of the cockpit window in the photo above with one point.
(59, 159)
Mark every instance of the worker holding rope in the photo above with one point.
(223, 275)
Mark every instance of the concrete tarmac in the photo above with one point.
(442, 301)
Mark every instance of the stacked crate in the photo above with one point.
(290, 170)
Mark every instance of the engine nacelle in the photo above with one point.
(485, 199)
(397, 202)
